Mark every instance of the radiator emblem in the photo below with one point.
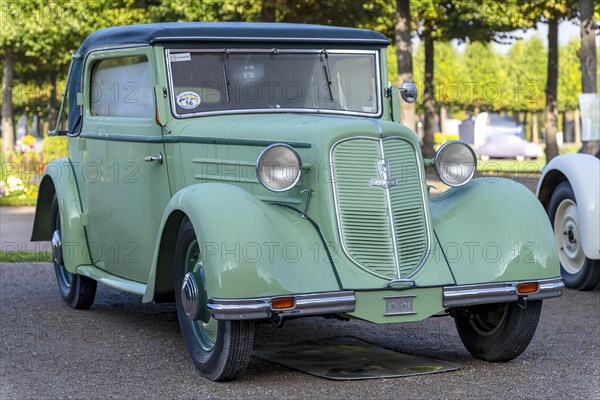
(385, 180)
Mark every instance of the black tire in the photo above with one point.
(78, 291)
(578, 271)
(222, 355)
(498, 332)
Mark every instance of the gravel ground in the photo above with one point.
(122, 348)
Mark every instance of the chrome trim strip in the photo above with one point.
(377, 67)
(486, 293)
(424, 200)
(260, 308)
(388, 200)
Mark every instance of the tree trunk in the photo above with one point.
(8, 124)
(551, 113)
(404, 56)
(429, 97)
(443, 117)
(267, 11)
(577, 129)
(52, 102)
(587, 55)
(535, 134)
(567, 127)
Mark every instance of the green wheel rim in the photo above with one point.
(66, 276)
(487, 322)
(205, 332)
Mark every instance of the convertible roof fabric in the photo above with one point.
(210, 32)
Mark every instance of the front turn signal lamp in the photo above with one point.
(455, 163)
(278, 167)
(528, 287)
(280, 303)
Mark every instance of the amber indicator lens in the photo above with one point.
(282, 302)
(528, 287)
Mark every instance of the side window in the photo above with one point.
(122, 87)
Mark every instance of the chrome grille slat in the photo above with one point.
(368, 231)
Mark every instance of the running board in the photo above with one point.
(108, 279)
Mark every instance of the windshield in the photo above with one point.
(225, 80)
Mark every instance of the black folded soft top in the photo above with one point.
(211, 32)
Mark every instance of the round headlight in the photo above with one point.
(455, 163)
(279, 167)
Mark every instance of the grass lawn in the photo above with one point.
(521, 167)
(512, 166)
(25, 256)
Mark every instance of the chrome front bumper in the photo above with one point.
(485, 293)
(260, 308)
(345, 301)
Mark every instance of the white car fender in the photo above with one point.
(583, 173)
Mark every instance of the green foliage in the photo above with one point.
(53, 148)
(440, 138)
(569, 76)
(526, 66)
(485, 75)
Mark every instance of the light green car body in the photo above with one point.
(120, 215)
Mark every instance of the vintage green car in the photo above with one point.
(258, 172)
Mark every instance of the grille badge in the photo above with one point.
(385, 180)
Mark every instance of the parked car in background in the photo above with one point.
(569, 189)
(505, 146)
(258, 172)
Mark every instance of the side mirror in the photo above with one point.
(409, 91)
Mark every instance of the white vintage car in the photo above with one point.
(569, 189)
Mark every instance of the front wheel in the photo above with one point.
(219, 349)
(578, 271)
(498, 332)
(78, 291)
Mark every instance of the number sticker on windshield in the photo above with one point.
(188, 100)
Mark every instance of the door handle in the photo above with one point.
(158, 157)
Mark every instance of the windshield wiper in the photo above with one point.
(327, 76)
(225, 76)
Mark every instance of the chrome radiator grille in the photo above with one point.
(379, 198)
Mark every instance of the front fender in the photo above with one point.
(494, 230)
(582, 171)
(58, 178)
(249, 248)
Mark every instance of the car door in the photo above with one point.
(123, 168)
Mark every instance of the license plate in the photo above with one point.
(399, 305)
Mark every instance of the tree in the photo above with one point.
(587, 55)
(485, 86)
(8, 127)
(404, 58)
(42, 35)
(569, 76)
(465, 20)
(526, 78)
(551, 12)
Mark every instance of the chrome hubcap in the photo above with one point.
(566, 232)
(57, 248)
(189, 296)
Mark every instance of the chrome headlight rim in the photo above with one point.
(262, 154)
(440, 151)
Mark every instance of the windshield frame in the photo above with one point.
(375, 53)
